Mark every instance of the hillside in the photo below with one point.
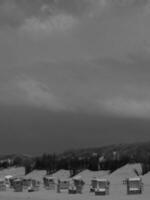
(113, 157)
(136, 151)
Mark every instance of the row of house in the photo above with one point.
(99, 186)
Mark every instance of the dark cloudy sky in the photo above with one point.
(73, 73)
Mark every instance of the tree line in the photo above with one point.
(107, 158)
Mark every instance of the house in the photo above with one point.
(102, 187)
(134, 185)
(8, 180)
(76, 185)
(63, 185)
(18, 185)
(50, 182)
(93, 184)
(31, 184)
(2, 185)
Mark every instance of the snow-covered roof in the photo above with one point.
(8, 176)
(100, 179)
(134, 179)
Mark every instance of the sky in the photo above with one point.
(73, 74)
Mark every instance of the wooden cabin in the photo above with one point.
(72, 188)
(79, 183)
(134, 185)
(31, 184)
(102, 187)
(63, 185)
(93, 184)
(76, 185)
(2, 185)
(50, 182)
(34, 186)
(9, 181)
(18, 185)
(27, 183)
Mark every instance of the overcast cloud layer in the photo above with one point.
(76, 56)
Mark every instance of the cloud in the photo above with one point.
(10, 14)
(57, 23)
(27, 91)
(38, 94)
(70, 83)
(14, 13)
(128, 107)
(41, 12)
(93, 86)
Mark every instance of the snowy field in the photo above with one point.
(117, 194)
